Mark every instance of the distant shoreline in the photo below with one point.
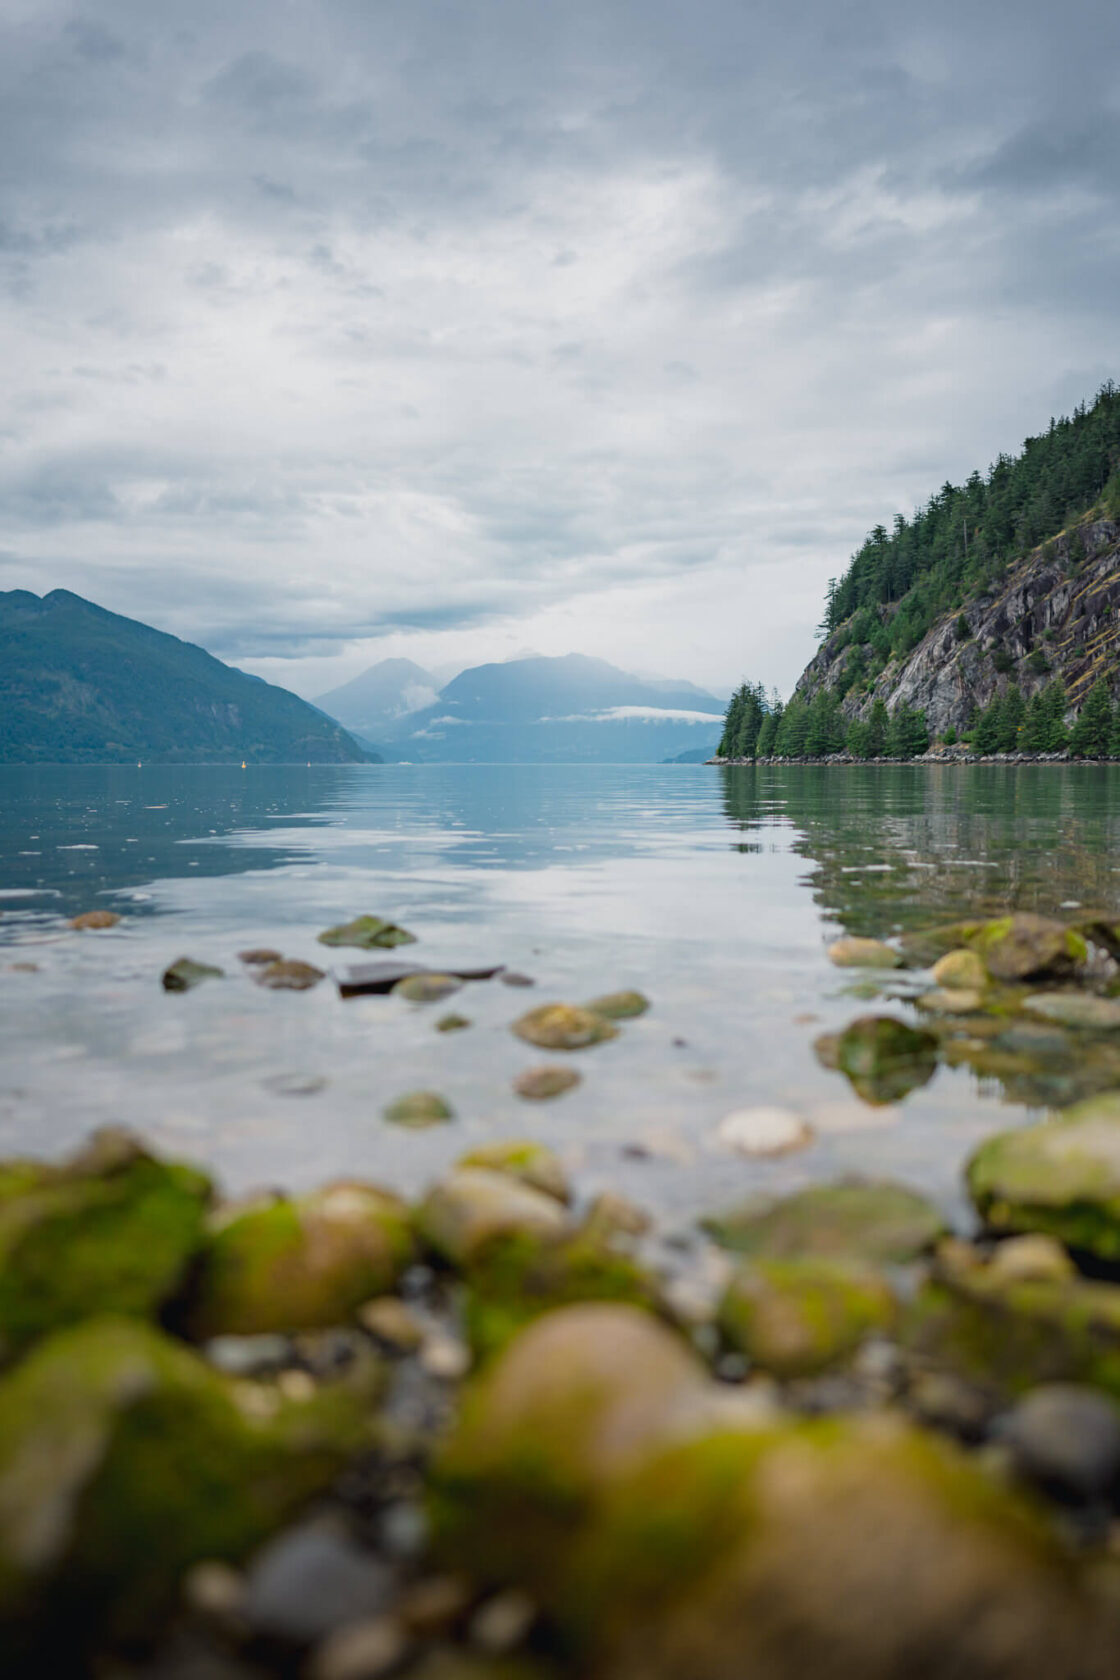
(844, 761)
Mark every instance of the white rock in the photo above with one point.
(764, 1131)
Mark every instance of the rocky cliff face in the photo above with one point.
(1057, 614)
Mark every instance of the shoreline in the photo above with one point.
(846, 761)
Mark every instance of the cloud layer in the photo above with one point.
(332, 329)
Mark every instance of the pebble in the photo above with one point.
(419, 1108)
(947, 1402)
(863, 953)
(452, 1023)
(1067, 1439)
(289, 976)
(502, 1622)
(620, 1006)
(764, 1131)
(427, 988)
(184, 973)
(563, 1026)
(295, 1084)
(362, 1651)
(90, 919)
(392, 1322)
(214, 1590)
(610, 1213)
(444, 1357)
(950, 1001)
(511, 977)
(1075, 1009)
(1031, 1259)
(259, 956)
(539, 1084)
(312, 1579)
(248, 1356)
(960, 971)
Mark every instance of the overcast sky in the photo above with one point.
(331, 329)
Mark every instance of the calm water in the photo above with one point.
(716, 892)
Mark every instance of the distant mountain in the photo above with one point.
(374, 703)
(568, 709)
(79, 684)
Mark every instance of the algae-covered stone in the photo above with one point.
(427, 988)
(94, 919)
(521, 1158)
(283, 1263)
(950, 1000)
(124, 1459)
(876, 1221)
(419, 1109)
(563, 1026)
(1076, 1009)
(1022, 946)
(960, 971)
(620, 1006)
(289, 975)
(884, 1058)
(184, 974)
(110, 1231)
(667, 1534)
(863, 953)
(475, 1204)
(797, 1317)
(452, 1023)
(1061, 1177)
(367, 933)
(541, 1084)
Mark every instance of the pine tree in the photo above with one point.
(1055, 735)
(988, 729)
(793, 729)
(750, 720)
(764, 746)
(731, 721)
(858, 732)
(1035, 724)
(1092, 733)
(1114, 744)
(826, 731)
(878, 729)
(909, 733)
(1012, 714)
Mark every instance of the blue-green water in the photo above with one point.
(715, 892)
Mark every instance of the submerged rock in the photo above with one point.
(476, 1204)
(875, 1221)
(289, 975)
(124, 1459)
(884, 1058)
(521, 1158)
(667, 1533)
(259, 955)
(367, 933)
(797, 1317)
(427, 988)
(110, 1231)
(1022, 946)
(91, 919)
(184, 974)
(863, 953)
(540, 1084)
(619, 1006)
(960, 971)
(452, 1023)
(283, 1263)
(563, 1026)
(764, 1131)
(1061, 1177)
(946, 1000)
(1076, 1009)
(418, 1109)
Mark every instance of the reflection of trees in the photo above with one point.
(896, 846)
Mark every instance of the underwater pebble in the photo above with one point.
(289, 976)
(185, 973)
(538, 1084)
(764, 1131)
(620, 1006)
(452, 1023)
(295, 1084)
(511, 977)
(427, 988)
(258, 956)
(563, 1026)
(419, 1108)
(90, 919)
(863, 953)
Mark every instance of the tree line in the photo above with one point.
(761, 726)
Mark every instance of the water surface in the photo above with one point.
(716, 892)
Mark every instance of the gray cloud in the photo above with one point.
(344, 328)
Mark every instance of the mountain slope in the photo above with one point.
(80, 684)
(373, 703)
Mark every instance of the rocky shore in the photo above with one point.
(510, 1432)
(936, 755)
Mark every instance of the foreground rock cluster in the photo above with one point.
(510, 1433)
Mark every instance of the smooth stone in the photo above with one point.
(361, 1651)
(563, 1026)
(1076, 1009)
(1067, 1439)
(764, 1131)
(183, 974)
(91, 919)
(474, 1205)
(289, 975)
(310, 1580)
(612, 1215)
(445, 1357)
(540, 1084)
(798, 1317)
(863, 953)
(877, 1221)
(1031, 1259)
(367, 933)
(619, 1006)
(418, 1109)
(393, 1322)
(960, 971)
(452, 1023)
(1061, 1177)
(248, 1356)
(512, 977)
(427, 988)
(950, 1001)
(259, 956)
(533, 1163)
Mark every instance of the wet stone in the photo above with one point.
(1061, 1177)
(1067, 1439)
(884, 1058)
(361, 1651)
(513, 977)
(945, 1000)
(473, 1206)
(289, 975)
(427, 988)
(563, 1026)
(1076, 1009)
(540, 1084)
(620, 1006)
(393, 1322)
(764, 1131)
(184, 974)
(310, 1580)
(530, 1162)
(452, 1023)
(367, 933)
(1031, 1259)
(92, 919)
(960, 971)
(863, 953)
(797, 1317)
(259, 956)
(877, 1221)
(249, 1356)
(418, 1109)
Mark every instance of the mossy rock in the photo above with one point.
(367, 933)
(668, 1534)
(543, 1084)
(876, 1221)
(885, 1058)
(563, 1026)
(184, 974)
(418, 1109)
(521, 1158)
(1079, 1010)
(620, 1006)
(798, 1317)
(111, 1231)
(466, 1211)
(299, 1263)
(124, 1458)
(1009, 1334)
(855, 952)
(1018, 947)
(1061, 1177)
(427, 988)
(961, 971)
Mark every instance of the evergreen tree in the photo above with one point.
(1012, 714)
(878, 728)
(1056, 702)
(750, 720)
(987, 731)
(909, 733)
(1035, 724)
(793, 729)
(858, 732)
(731, 721)
(826, 730)
(1114, 744)
(764, 746)
(1092, 733)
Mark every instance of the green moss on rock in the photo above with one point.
(1061, 1177)
(367, 933)
(523, 1159)
(797, 1317)
(299, 1263)
(885, 1058)
(875, 1221)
